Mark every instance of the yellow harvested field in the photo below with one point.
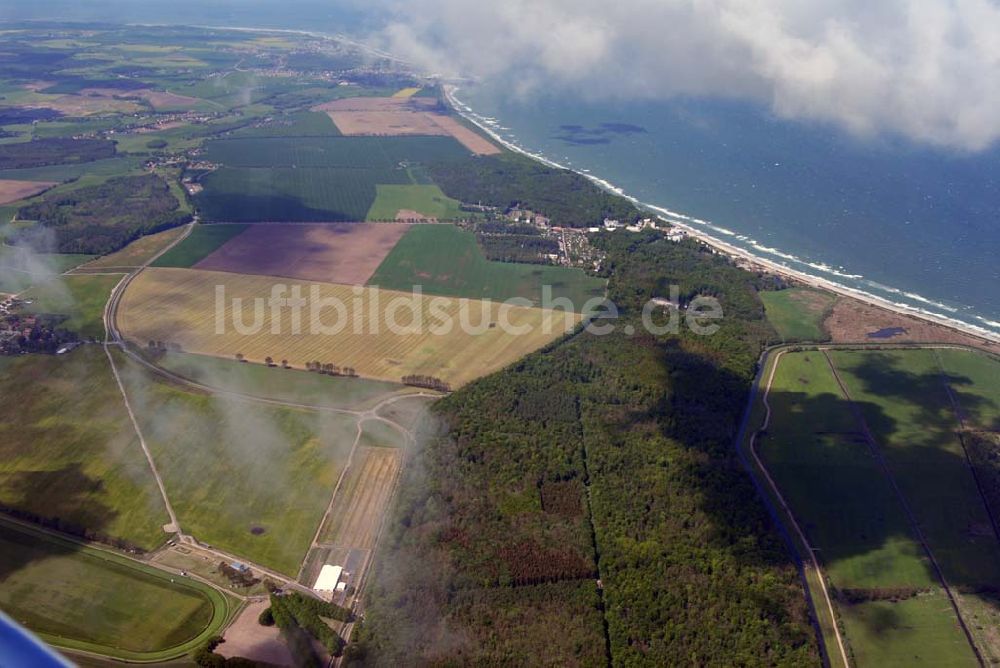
(381, 333)
(362, 499)
(136, 253)
(406, 92)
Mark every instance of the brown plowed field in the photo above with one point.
(328, 252)
(394, 116)
(11, 190)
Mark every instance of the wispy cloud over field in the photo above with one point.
(926, 69)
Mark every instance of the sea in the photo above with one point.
(915, 225)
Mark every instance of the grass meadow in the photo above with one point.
(446, 260)
(81, 298)
(974, 380)
(20, 269)
(68, 450)
(427, 200)
(906, 405)
(905, 633)
(81, 174)
(87, 599)
(817, 452)
(291, 385)
(797, 313)
(251, 479)
(138, 252)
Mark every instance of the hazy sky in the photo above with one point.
(927, 69)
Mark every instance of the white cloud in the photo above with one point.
(927, 69)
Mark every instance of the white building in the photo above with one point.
(329, 578)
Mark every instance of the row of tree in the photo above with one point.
(428, 382)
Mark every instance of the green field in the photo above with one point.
(246, 477)
(975, 382)
(87, 599)
(300, 195)
(237, 89)
(377, 434)
(81, 298)
(446, 260)
(20, 269)
(797, 313)
(300, 124)
(424, 199)
(290, 385)
(68, 451)
(352, 152)
(903, 397)
(91, 173)
(907, 633)
(817, 452)
(203, 240)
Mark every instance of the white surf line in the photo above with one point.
(689, 225)
(788, 511)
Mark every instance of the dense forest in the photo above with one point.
(586, 507)
(54, 151)
(101, 219)
(566, 198)
(528, 248)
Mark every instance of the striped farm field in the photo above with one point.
(377, 332)
(362, 499)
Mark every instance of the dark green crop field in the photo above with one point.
(446, 260)
(300, 195)
(203, 240)
(356, 152)
(54, 151)
(301, 124)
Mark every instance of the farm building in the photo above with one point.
(328, 579)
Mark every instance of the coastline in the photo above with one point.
(686, 223)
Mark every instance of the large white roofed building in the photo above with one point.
(328, 578)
